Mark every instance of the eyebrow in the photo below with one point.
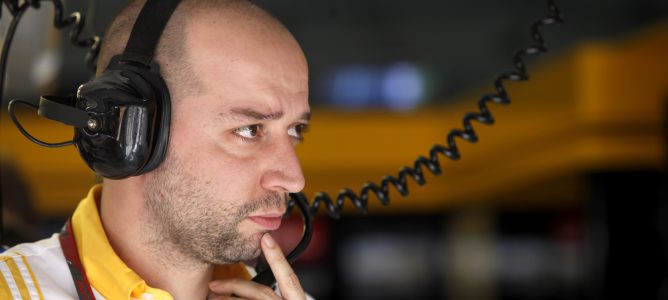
(253, 114)
(256, 115)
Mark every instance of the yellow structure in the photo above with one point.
(601, 106)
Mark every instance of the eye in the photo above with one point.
(248, 133)
(297, 131)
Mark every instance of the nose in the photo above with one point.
(283, 173)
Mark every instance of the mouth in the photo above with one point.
(269, 221)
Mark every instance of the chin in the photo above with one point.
(255, 241)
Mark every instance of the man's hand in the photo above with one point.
(287, 280)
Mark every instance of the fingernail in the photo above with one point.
(268, 241)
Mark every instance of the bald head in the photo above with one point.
(172, 52)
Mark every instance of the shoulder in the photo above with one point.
(35, 270)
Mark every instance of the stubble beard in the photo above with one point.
(183, 212)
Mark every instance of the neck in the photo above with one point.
(142, 247)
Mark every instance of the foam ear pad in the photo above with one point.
(161, 130)
(131, 104)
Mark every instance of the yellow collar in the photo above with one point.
(105, 270)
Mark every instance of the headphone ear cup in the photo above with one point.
(133, 109)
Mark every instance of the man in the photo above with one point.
(238, 84)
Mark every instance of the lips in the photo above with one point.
(270, 222)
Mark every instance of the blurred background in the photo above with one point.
(565, 197)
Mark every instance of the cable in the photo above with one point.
(79, 21)
(432, 163)
(33, 139)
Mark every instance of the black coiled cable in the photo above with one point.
(432, 163)
(78, 20)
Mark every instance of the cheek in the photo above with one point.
(230, 177)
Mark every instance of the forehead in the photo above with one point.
(258, 64)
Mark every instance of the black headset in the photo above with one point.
(121, 118)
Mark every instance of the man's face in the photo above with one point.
(231, 158)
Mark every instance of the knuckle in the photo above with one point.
(281, 259)
(293, 280)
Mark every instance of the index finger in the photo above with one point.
(286, 278)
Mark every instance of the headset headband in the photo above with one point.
(148, 28)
